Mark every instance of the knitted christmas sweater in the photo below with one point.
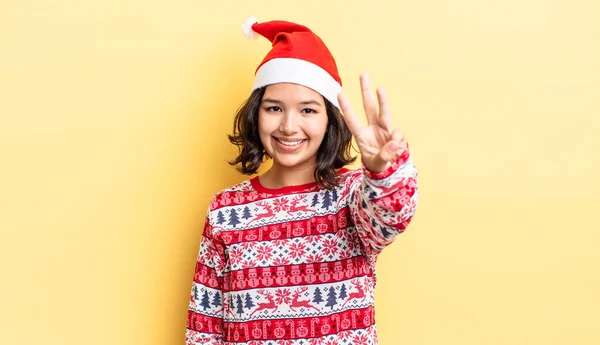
(296, 265)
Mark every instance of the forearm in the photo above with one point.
(384, 203)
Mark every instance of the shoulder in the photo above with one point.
(239, 193)
(243, 186)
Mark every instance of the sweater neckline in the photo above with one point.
(283, 190)
(287, 189)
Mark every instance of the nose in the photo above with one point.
(289, 123)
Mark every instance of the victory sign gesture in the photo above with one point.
(379, 144)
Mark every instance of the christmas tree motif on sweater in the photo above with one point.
(317, 298)
(220, 218)
(216, 300)
(205, 302)
(233, 218)
(331, 298)
(326, 203)
(249, 302)
(240, 305)
(195, 296)
(343, 293)
(246, 214)
(217, 303)
(315, 200)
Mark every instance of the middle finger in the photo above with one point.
(369, 101)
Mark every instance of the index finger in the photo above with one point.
(350, 117)
(385, 118)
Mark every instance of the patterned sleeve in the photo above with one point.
(382, 204)
(205, 311)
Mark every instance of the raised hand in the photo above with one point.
(379, 144)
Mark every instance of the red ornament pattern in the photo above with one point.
(297, 265)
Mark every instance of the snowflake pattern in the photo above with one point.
(297, 268)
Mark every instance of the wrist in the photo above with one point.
(374, 167)
(388, 170)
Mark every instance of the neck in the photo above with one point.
(280, 176)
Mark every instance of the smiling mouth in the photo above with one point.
(292, 143)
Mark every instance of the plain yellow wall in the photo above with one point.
(113, 117)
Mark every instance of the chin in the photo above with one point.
(290, 163)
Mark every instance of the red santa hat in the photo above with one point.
(297, 56)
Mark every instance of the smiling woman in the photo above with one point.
(307, 204)
(291, 133)
(282, 119)
(112, 122)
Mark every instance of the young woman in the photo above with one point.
(288, 257)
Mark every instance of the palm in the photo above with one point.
(371, 139)
(378, 142)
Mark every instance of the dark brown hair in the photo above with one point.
(334, 152)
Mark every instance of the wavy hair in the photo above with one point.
(334, 152)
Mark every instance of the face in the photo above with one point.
(292, 121)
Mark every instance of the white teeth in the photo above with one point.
(290, 143)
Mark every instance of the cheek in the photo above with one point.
(267, 122)
(265, 130)
(262, 125)
(318, 129)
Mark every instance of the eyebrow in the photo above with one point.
(270, 100)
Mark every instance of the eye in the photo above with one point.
(309, 111)
(273, 108)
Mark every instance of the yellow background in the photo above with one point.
(113, 117)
